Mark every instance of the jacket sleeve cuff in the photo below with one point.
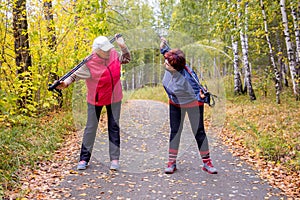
(69, 80)
(164, 50)
(124, 49)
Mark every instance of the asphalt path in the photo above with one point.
(144, 151)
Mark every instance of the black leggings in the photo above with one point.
(195, 115)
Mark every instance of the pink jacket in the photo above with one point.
(104, 86)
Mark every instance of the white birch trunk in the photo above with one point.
(236, 71)
(290, 52)
(281, 64)
(297, 33)
(238, 88)
(275, 69)
(246, 60)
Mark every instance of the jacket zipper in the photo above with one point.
(112, 83)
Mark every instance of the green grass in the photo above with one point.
(152, 93)
(32, 140)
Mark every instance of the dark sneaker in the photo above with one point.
(171, 168)
(82, 165)
(114, 165)
(208, 167)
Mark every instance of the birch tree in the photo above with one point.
(281, 63)
(275, 69)
(297, 32)
(238, 88)
(290, 51)
(237, 78)
(244, 44)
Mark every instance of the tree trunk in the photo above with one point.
(281, 64)
(290, 52)
(297, 34)
(275, 69)
(50, 25)
(22, 53)
(246, 60)
(20, 27)
(52, 41)
(238, 88)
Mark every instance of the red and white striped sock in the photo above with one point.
(172, 156)
(204, 155)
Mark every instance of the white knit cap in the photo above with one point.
(102, 43)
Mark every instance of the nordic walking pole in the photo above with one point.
(56, 83)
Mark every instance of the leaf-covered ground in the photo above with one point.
(263, 128)
(144, 129)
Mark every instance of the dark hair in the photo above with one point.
(176, 58)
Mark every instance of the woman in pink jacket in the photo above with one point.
(102, 75)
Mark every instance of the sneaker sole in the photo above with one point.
(114, 168)
(81, 168)
(204, 169)
(171, 171)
